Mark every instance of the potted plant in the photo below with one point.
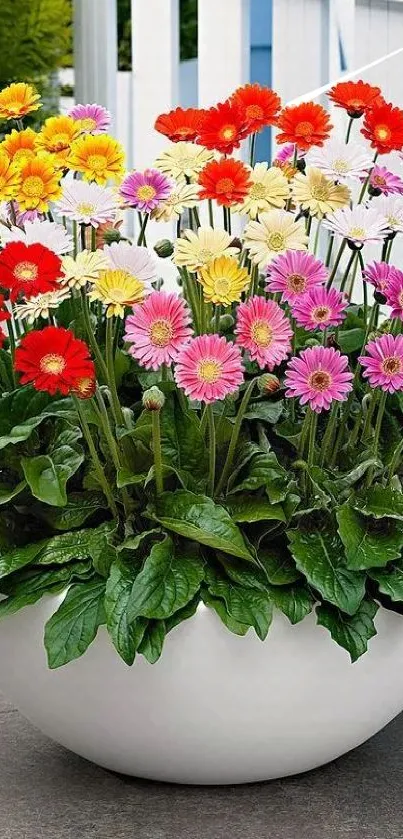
(216, 468)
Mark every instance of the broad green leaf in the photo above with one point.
(47, 474)
(351, 632)
(22, 592)
(390, 580)
(153, 641)
(368, 543)
(380, 502)
(125, 636)
(6, 371)
(183, 614)
(135, 542)
(279, 565)
(250, 508)
(80, 506)
(295, 601)
(20, 413)
(242, 572)
(245, 605)
(7, 494)
(220, 608)
(344, 482)
(290, 431)
(265, 411)
(262, 470)
(319, 555)
(199, 518)
(20, 557)
(70, 631)
(351, 340)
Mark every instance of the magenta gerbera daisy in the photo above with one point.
(157, 329)
(145, 190)
(320, 308)
(383, 363)
(394, 293)
(209, 368)
(379, 275)
(295, 272)
(264, 331)
(319, 376)
(95, 119)
(381, 180)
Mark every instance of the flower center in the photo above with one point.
(26, 271)
(254, 112)
(258, 191)
(320, 380)
(85, 386)
(118, 295)
(185, 162)
(205, 255)
(356, 233)
(53, 364)
(382, 132)
(86, 209)
(320, 192)
(355, 105)
(59, 142)
(393, 221)
(14, 106)
(209, 370)
(23, 154)
(222, 286)
(88, 124)
(161, 332)
(33, 186)
(184, 131)
(305, 129)
(276, 241)
(224, 185)
(392, 365)
(146, 192)
(321, 313)
(228, 132)
(378, 180)
(296, 282)
(97, 162)
(261, 333)
(340, 165)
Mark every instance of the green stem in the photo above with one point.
(336, 263)
(142, 235)
(217, 315)
(210, 212)
(395, 461)
(156, 431)
(304, 432)
(93, 239)
(329, 251)
(350, 125)
(113, 448)
(364, 287)
(95, 459)
(366, 182)
(211, 449)
(329, 433)
(378, 426)
(312, 437)
(352, 259)
(102, 369)
(317, 234)
(369, 415)
(110, 365)
(308, 226)
(252, 150)
(235, 435)
(75, 239)
(189, 286)
(11, 337)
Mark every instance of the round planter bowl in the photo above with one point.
(216, 708)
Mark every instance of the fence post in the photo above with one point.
(96, 53)
(224, 48)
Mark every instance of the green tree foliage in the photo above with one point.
(188, 31)
(34, 38)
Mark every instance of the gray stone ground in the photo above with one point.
(49, 793)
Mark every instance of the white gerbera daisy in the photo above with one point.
(269, 189)
(40, 306)
(183, 161)
(391, 207)
(274, 233)
(132, 259)
(88, 203)
(340, 161)
(183, 197)
(192, 250)
(85, 268)
(47, 233)
(359, 225)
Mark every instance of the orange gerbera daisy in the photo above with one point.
(99, 157)
(9, 178)
(306, 125)
(17, 100)
(19, 145)
(260, 105)
(56, 137)
(222, 128)
(226, 180)
(383, 126)
(354, 97)
(180, 124)
(38, 184)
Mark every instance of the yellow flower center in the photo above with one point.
(382, 132)
(185, 162)
(161, 332)
(53, 364)
(320, 380)
(33, 186)
(296, 282)
(59, 142)
(305, 129)
(276, 241)
(355, 105)
(88, 124)
(118, 295)
(320, 314)
(392, 365)
(85, 386)
(209, 370)
(222, 286)
(320, 191)
(86, 209)
(258, 191)
(378, 180)
(261, 333)
(340, 165)
(225, 185)
(205, 255)
(23, 154)
(97, 162)
(26, 271)
(146, 192)
(228, 132)
(184, 131)
(393, 221)
(254, 112)
(356, 233)
(14, 106)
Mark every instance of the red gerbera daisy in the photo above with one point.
(354, 97)
(28, 270)
(52, 359)
(383, 126)
(180, 124)
(4, 313)
(222, 128)
(306, 125)
(226, 180)
(260, 105)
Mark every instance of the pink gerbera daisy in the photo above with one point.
(95, 119)
(384, 362)
(264, 331)
(319, 308)
(394, 293)
(385, 182)
(379, 275)
(209, 368)
(145, 190)
(319, 376)
(157, 329)
(295, 272)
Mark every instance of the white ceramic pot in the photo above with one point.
(216, 708)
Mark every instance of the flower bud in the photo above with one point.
(374, 191)
(268, 383)
(312, 342)
(84, 387)
(379, 297)
(164, 248)
(153, 399)
(226, 323)
(112, 235)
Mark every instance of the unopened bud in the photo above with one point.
(164, 248)
(226, 323)
(84, 387)
(380, 298)
(153, 399)
(268, 383)
(312, 342)
(111, 235)
(374, 191)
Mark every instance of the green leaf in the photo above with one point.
(245, 605)
(242, 572)
(153, 641)
(80, 506)
(251, 508)
(70, 631)
(125, 636)
(295, 601)
(6, 371)
(220, 608)
(183, 614)
(20, 557)
(199, 518)
(368, 543)
(352, 633)
(390, 580)
(351, 340)
(22, 592)
(262, 470)
(380, 502)
(7, 494)
(47, 474)
(20, 413)
(279, 566)
(319, 555)
(265, 411)
(344, 482)
(166, 583)
(290, 431)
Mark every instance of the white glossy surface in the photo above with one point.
(216, 708)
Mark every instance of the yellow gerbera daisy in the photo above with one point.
(17, 100)
(183, 197)
(85, 268)
(117, 289)
(318, 194)
(9, 178)
(98, 157)
(269, 189)
(56, 137)
(196, 249)
(274, 233)
(38, 184)
(19, 145)
(223, 280)
(183, 161)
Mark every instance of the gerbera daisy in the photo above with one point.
(354, 97)
(318, 194)
(264, 331)
(145, 190)
(56, 137)
(43, 232)
(183, 161)
(391, 207)
(320, 308)
(274, 233)
(94, 119)
(260, 105)
(381, 181)
(39, 184)
(133, 259)
(394, 293)
(269, 189)
(18, 145)
(9, 178)
(319, 376)
(85, 268)
(226, 180)
(184, 196)
(209, 368)
(180, 124)
(383, 127)
(107, 233)
(359, 224)
(306, 125)
(340, 161)
(87, 203)
(194, 250)
(117, 289)
(17, 100)
(383, 362)
(28, 270)
(52, 359)
(40, 306)
(379, 274)
(294, 273)
(4, 313)
(22, 217)
(157, 329)
(223, 280)
(84, 387)
(98, 157)
(223, 127)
